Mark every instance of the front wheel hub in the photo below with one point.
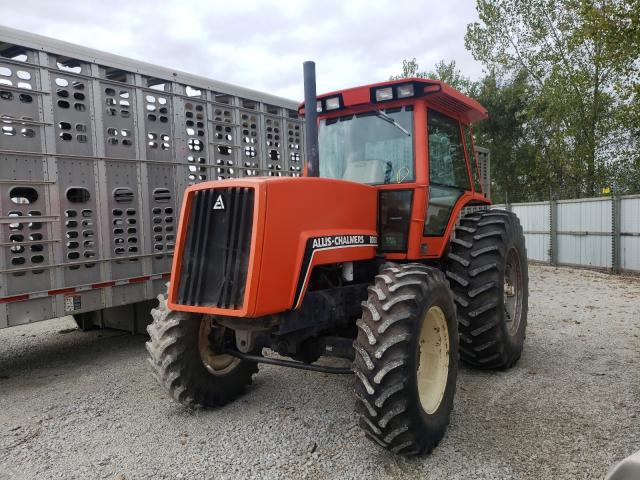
(210, 342)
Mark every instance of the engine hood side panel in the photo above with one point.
(308, 222)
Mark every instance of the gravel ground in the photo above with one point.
(83, 405)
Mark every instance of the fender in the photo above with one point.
(437, 245)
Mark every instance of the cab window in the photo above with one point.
(374, 147)
(448, 176)
(447, 166)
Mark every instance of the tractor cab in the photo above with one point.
(412, 140)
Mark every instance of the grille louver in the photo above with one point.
(215, 258)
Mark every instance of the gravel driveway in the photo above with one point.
(83, 405)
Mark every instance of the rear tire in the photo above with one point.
(488, 272)
(406, 358)
(183, 359)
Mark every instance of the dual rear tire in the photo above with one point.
(487, 270)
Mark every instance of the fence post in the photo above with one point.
(616, 203)
(553, 232)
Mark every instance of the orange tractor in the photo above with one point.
(369, 257)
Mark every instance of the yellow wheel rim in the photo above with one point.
(216, 364)
(513, 292)
(433, 359)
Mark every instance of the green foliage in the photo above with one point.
(513, 155)
(410, 69)
(580, 60)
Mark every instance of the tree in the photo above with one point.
(581, 59)
(449, 73)
(410, 69)
(505, 134)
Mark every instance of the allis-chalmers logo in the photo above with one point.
(344, 241)
(219, 205)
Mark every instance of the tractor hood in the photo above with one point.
(246, 247)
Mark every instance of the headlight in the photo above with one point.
(383, 94)
(332, 103)
(405, 91)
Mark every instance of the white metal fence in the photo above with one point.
(592, 232)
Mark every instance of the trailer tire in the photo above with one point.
(488, 272)
(183, 360)
(404, 402)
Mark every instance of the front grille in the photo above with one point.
(215, 258)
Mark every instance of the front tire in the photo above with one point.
(406, 359)
(184, 356)
(488, 271)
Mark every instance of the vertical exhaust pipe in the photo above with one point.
(311, 119)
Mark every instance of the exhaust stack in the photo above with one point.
(311, 119)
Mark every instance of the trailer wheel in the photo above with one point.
(406, 358)
(488, 272)
(183, 355)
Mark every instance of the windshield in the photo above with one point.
(373, 147)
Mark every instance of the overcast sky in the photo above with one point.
(261, 44)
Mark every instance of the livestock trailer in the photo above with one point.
(95, 153)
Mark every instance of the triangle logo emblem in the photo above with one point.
(219, 205)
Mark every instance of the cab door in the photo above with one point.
(449, 179)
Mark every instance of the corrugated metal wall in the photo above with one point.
(536, 221)
(593, 232)
(584, 232)
(629, 232)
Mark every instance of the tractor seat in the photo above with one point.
(365, 171)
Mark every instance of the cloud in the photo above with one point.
(261, 44)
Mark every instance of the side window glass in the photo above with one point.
(447, 166)
(448, 178)
(473, 159)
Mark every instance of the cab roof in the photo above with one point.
(437, 93)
